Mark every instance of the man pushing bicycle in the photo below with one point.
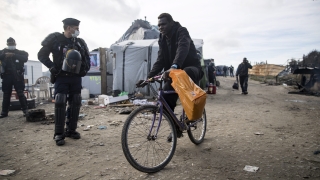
(176, 51)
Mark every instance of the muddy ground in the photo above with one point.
(268, 128)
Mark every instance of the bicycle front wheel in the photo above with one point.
(148, 151)
(198, 130)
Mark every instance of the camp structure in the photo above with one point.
(132, 60)
(140, 29)
(92, 80)
(266, 70)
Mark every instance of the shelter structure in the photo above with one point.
(140, 29)
(266, 70)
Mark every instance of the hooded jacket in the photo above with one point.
(182, 52)
(243, 69)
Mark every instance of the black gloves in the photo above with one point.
(166, 76)
(53, 70)
(83, 73)
(141, 83)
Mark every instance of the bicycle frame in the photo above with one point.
(161, 102)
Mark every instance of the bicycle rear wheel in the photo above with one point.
(198, 130)
(148, 152)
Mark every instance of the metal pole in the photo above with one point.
(32, 73)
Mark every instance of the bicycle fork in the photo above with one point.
(154, 134)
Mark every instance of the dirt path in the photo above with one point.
(289, 135)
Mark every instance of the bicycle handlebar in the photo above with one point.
(157, 78)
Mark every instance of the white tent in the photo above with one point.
(132, 60)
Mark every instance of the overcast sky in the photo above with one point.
(272, 30)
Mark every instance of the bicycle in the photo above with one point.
(149, 134)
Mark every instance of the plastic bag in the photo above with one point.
(123, 93)
(192, 97)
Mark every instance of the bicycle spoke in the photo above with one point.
(148, 151)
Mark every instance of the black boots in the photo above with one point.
(60, 115)
(3, 115)
(5, 104)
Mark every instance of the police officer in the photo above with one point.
(12, 61)
(71, 61)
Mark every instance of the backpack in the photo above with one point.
(242, 70)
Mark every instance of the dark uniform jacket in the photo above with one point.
(211, 67)
(57, 44)
(243, 69)
(16, 62)
(182, 51)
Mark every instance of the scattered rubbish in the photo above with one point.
(82, 116)
(123, 93)
(100, 106)
(251, 168)
(139, 95)
(284, 84)
(101, 144)
(50, 116)
(316, 152)
(86, 129)
(36, 115)
(90, 102)
(114, 123)
(6, 172)
(84, 102)
(121, 105)
(92, 117)
(101, 98)
(82, 125)
(295, 100)
(111, 99)
(142, 102)
(258, 133)
(125, 111)
(102, 127)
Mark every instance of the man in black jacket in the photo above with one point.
(211, 71)
(225, 68)
(12, 61)
(176, 51)
(242, 72)
(66, 48)
(231, 71)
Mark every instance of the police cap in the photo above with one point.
(71, 22)
(11, 40)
